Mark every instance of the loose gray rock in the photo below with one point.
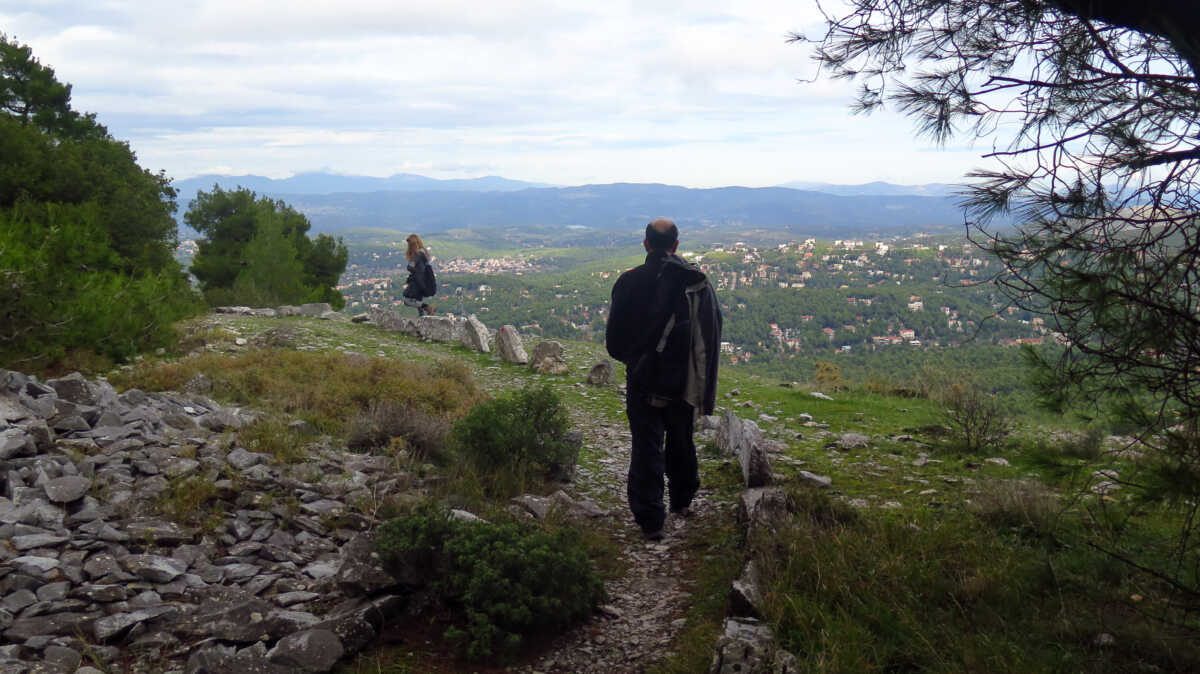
(220, 421)
(746, 595)
(32, 541)
(550, 365)
(68, 623)
(853, 441)
(814, 479)
(73, 388)
(314, 650)
(38, 567)
(746, 646)
(65, 659)
(154, 568)
(67, 489)
(159, 532)
(361, 571)
(538, 506)
(315, 309)
(15, 442)
(547, 349)
(601, 373)
(113, 626)
(241, 459)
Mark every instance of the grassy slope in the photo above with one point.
(948, 563)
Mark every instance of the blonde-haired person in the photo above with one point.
(420, 283)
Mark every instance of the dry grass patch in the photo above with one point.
(1018, 503)
(327, 389)
(398, 427)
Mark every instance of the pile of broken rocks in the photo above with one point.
(92, 578)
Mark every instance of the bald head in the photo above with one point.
(662, 235)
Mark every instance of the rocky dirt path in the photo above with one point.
(644, 614)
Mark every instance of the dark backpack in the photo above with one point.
(429, 283)
(676, 354)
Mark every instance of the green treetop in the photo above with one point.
(257, 251)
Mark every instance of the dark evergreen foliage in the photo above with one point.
(1094, 108)
(256, 251)
(86, 234)
(502, 582)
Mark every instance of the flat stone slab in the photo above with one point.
(67, 489)
(155, 568)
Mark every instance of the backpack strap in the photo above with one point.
(662, 341)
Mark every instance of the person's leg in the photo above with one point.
(683, 471)
(645, 485)
(416, 303)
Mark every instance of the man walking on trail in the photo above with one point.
(665, 325)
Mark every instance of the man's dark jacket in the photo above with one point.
(633, 319)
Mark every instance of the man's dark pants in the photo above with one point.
(651, 459)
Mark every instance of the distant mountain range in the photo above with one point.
(412, 202)
(879, 189)
(329, 183)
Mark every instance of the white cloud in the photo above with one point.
(699, 94)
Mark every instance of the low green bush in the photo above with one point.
(520, 432)
(502, 582)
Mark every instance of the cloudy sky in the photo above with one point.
(554, 91)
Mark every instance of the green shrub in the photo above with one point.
(519, 432)
(415, 540)
(62, 289)
(501, 582)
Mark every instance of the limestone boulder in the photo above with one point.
(550, 365)
(547, 349)
(510, 346)
(438, 328)
(315, 309)
(743, 439)
(475, 335)
(601, 373)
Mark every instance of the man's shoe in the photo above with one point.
(429, 309)
(656, 535)
(685, 512)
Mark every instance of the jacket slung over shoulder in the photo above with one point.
(633, 318)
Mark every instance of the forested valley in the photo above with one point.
(886, 311)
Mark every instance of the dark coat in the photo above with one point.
(632, 319)
(414, 287)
